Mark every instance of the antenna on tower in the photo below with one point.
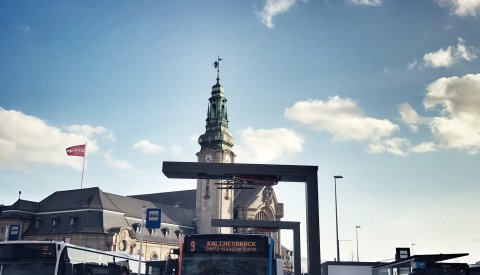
(216, 64)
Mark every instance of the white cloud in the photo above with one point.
(267, 145)
(146, 147)
(27, 140)
(115, 162)
(449, 56)
(411, 65)
(463, 52)
(346, 121)
(411, 117)
(90, 131)
(424, 147)
(273, 8)
(341, 117)
(177, 152)
(440, 58)
(461, 7)
(372, 3)
(394, 146)
(456, 99)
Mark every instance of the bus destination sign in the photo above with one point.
(234, 246)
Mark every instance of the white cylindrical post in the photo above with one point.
(141, 242)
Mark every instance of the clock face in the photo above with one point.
(226, 159)
(208, 158)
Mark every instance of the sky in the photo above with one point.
(384, 93)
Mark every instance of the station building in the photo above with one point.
(93, 218)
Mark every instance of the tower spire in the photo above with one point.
(216, 64)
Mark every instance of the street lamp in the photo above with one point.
(412, 249)
(336, 216)
(356, 235)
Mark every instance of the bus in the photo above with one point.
(234, 254)
(59, 258)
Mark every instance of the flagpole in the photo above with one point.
(83, 166)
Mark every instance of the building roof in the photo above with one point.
(23, 205)
(184, 199)
(245, 197)
(429, 258)
(87, 198)
(82, 211)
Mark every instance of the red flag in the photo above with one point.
(78, 150)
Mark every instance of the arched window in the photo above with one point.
(261, 216)
(214, 108)
(154, 256)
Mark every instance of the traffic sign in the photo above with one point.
(153, 217)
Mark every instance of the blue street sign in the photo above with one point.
(153, 217)
(14, 232)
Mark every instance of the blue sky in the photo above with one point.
(384, 93)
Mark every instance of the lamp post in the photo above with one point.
(356, 235)
(412, 249)
(336, 216)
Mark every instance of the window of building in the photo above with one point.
(55, 222)
(73, 220)
(136, 227)
(154, 256)
(37, 223)
(261, 216)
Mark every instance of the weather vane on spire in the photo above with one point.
(216, 64)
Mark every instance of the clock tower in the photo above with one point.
(216, 146)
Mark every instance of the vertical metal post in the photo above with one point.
(297, 256)
(356, 235)
(141, 242)
(313, 225)
(336, 217)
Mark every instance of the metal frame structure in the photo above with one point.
(295, 226)
(288, 173)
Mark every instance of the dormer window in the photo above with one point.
(55, 222)
(72, 220)
(178, 233)
(37, 223)
(165, 232)
(136, 227)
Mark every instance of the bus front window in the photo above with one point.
(222, 264)
(32, 267)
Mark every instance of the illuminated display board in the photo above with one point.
(229, 244)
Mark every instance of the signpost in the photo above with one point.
(152, 220)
